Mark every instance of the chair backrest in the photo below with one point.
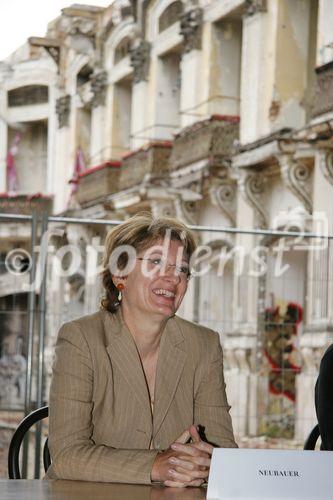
(311, 440)
(16, 441)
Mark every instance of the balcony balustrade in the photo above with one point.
(324, 89)
(98, 182)
(209, 138)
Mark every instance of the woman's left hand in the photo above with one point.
(194, 455)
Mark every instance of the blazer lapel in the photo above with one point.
(171, 361)
(123, 353)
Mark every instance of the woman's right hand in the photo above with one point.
(179, 469)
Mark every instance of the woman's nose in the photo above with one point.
(170, 272)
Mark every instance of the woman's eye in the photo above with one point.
(156, 262)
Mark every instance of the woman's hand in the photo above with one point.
(184, 464)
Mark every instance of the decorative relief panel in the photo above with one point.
(191, 29)
(254, 6)
(63, 106)
(98, 88)
(140, 58)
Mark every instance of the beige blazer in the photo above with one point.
(101, 425)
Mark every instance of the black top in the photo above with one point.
(324, 399)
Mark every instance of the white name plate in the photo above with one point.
(245, 474)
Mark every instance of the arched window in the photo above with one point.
(122, 49)
(170, 15)
(29, 94)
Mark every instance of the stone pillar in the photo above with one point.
(239, 380)
(319, 286)
(140, 61)
(318, 330)
(254, 72)
(276, 89)
(191, 64)
(99, 89)
(246, 327)
(65, 154)
(51, 142)
(222, 45)
(305, 417)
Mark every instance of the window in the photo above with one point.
(170, 16)
(122, 50)
(30, 94)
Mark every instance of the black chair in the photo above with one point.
(312, 438)
(16, 441)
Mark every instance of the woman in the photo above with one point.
(132, 382)
(324, 400)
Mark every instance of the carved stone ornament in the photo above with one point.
(252, 187)
(54, 52)
(191, 29)
(98, 88)
(254, 6)
(187, 211)
(163, 208)
(63, 106)
(187, 207)
(296, 174)
(79, 25)
(326, 164)
(223, 196)
(140, 58)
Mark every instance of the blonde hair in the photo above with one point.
(140, 232)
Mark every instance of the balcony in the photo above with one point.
(98, 182)
(324, 89)
(152, 159)
(211, 138)
(25, 204)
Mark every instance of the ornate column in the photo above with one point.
(98, 87)
(239, 379)
(318, 325)
(63, 154)
(254, 72)
(191, 30)
(140, 61)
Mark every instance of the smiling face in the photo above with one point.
(153, 288)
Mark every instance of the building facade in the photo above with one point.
(218, 112)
